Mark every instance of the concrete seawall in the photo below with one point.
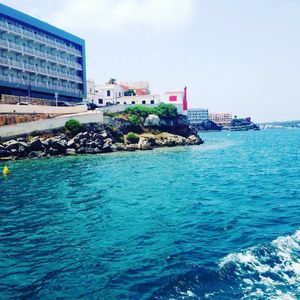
(48, 124)
(41, 109)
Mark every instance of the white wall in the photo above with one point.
(139, 99)
(41, 109)
(29, 127)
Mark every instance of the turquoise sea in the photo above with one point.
(216, 221)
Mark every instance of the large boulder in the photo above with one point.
(4, 152)
(72, 144)
(12, 144)
(152, 121)
(195, 140)
(70, 151)
(144, 144)
(36, 145)
(59, 145)
(107, 146)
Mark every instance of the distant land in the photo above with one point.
(283, 124)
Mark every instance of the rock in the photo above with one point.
(78, 137)
(86, 135)
(99, 143)
(89, 150)
(35, 154)
(60, 146)
(131, 147)
(96, 136)
(83, 141)
(194, 140)
(36, 145)
(23, 151)
(108, 140)
(90, 144)
(152, 121)
(4, 153)
(81, 150)
(52, 151)
(104, 134)
(117, 147)
(71, 144)
(106, 147)
(6, 158)
(45, 143)
(12, 144)
(170, 140)
(97, 150)
(70, 151)
(21, 139)
(144, 144)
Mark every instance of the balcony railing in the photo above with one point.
(36, 83)
(40, 38)
(11, 63)
(37, 53)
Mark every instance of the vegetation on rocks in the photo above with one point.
(132, 138)
(73, 127)
(163, 110)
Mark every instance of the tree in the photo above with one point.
(129, 93)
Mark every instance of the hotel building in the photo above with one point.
(39, 60)
(197, 115)
(221, 118)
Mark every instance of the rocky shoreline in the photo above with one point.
(93, 139)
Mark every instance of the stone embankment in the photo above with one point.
(93, 139)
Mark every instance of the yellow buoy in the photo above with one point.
(6, 170)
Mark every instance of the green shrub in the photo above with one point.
(132, 138)
(73, 126)
(135, 120)
(162, 110)
(167, 110)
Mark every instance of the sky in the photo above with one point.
(236, 56)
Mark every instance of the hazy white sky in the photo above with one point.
(235, 56)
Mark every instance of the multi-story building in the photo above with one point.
(197, 115)
(39, 60)
(221, 118)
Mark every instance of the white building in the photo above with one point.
(197, 115)
(91, 96)
(103, 94)
(108, 94)
(140, 100)
(178, 99)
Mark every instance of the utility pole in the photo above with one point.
(56, 98)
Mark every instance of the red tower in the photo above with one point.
(185, 102)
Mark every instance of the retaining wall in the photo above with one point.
(48, 124)
(41, 109)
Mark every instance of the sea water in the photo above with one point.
(215, 221)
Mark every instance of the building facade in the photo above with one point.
(108, 94)
(140, 88)
(178, 99)
(139, 100)
(115, 93)
(39, 60)
(221, 118)
(197, 115)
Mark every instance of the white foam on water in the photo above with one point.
(274, 274)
